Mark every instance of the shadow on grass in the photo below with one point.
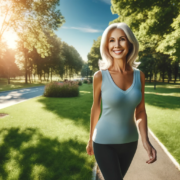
(161, 97)
(163, 88)
(28, 154)
(79, 108)
(166, 102)
(76, 108)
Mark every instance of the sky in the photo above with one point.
(85, 21)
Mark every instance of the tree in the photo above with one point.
(85, 70)
(8, 68)
(30, 19)
(95, 55)
(22, 13)
(3, 48)
(156, 24)
(175, 69)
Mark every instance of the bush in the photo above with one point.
(80, 83)
(90, 80)
(64, 89)
(85, 81)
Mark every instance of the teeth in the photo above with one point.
(117, 51)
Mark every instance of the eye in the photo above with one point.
(120, 39)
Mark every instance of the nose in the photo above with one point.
(117, 44)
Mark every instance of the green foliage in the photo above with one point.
(85, 71)
(65, 89)
(85, 81)
(72, 60)
(155, 23)
(30, 20)
(63, 59)
(90, 79)
(45, 139)
(8, 67)
(80, 83)
(95, 55)
(171, 42)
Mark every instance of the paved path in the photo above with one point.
(9, 98)
(162, 169)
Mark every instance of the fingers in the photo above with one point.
(152, 156)
(89, 151)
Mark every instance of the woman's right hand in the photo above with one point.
(152, 153)
(89, 148)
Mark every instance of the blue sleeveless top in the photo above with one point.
(117, 124)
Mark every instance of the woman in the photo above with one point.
(114, 138)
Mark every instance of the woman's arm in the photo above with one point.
(96, 106)
(141, 118)
(140, 113)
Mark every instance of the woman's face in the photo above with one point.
(118, 44)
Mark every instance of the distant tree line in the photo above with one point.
(86, 71)
(39, 51)
(64, 61)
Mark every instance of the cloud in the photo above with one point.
(89, 30)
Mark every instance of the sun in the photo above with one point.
(8, 36)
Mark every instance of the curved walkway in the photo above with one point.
(162, 169)
(9, 98)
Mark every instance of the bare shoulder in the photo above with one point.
(142, 75)
(98, 76)
(97, 80)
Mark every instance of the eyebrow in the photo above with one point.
(120, 37)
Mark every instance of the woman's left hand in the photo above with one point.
(152, 153)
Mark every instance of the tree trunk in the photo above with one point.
(8, 76)
(34, 76)
(71, 73)
(44, 76)
(150, 76)
(29, 76)
(25, 65)
(51, 74)
(155, 80)
(163, 76)
(66, 72)
(40, 75)
(48, 74)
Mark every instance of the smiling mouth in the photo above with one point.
(118, 52)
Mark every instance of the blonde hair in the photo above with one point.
(107, 59)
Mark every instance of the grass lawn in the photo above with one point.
(18, 84)
(45, 139)
(163, 112)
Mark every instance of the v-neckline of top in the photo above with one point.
(127, 90)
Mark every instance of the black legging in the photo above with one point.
(114, 159)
